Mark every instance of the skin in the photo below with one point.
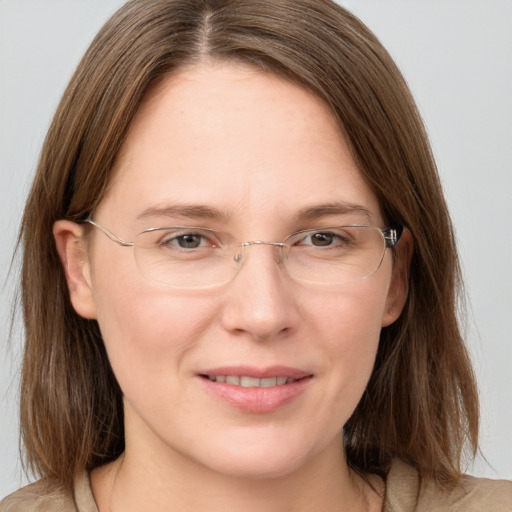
(258, 149)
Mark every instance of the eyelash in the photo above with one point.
(337, 238)
(177, 240)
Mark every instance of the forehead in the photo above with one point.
(247, 143)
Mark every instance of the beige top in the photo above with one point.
(403, 494)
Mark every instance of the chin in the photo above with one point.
(247, 468)
(257, 460)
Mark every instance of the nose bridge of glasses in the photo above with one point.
(239, 256)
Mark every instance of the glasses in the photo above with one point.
(194, 257)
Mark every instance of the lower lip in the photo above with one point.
(257, 400)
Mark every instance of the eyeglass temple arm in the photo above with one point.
(111, 235)
(392, 235)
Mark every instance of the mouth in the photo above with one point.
(246, 381)
(256, 391)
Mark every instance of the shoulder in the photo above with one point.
(406, 493)
(42, 495)
(470, 495)
(48, 496)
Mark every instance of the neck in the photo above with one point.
(171, 482)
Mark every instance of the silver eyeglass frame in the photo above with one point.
(391, 237)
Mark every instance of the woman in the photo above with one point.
(253, 276)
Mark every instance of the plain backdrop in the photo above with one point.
(456, 56)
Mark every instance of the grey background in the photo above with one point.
(456, 56)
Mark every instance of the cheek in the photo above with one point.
(349, 324)
(352, 315)
(147, 329)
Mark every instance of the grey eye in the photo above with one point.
(188, 241)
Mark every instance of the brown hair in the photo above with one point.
(421, 402)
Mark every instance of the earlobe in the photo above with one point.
(399, 286)
(72, 250)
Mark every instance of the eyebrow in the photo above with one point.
(193, 211)
(337, 208)
(190, 211)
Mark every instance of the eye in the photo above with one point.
(186, 241)
(323, 239)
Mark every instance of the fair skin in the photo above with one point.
(259, 150)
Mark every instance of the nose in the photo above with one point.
(260, 300)
(244, 245)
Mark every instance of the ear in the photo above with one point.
(72, 249)
(399, 286)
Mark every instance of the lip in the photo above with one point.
(257, 373)
(256, 400)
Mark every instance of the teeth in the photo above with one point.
(251, 382)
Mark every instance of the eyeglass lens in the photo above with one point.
(197, 259)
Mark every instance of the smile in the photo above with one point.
(251, 382)
(259, 392)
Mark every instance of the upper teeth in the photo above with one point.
(251, 382)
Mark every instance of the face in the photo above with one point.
(256, 151)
